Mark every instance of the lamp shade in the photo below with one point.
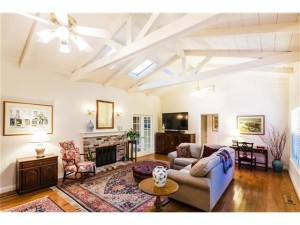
(40, 137)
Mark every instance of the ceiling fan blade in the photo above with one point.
(35, 18)
(94, 32)
(81, 44)
(46, 35)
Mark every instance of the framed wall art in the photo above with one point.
(254, 125)
(26, 118)
(215, 122)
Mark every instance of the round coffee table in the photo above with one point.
(143, 169)
(148, 187)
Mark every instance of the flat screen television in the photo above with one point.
(175, 121)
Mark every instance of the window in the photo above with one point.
(142, 68)
(295, 122)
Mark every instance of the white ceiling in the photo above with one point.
(191, 46)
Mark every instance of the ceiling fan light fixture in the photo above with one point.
(63, 33)
(64, 47)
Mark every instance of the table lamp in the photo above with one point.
(40, 137)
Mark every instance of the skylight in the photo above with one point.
(142, 68)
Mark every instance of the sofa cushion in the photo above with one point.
(195, 149)
(204, 165)
(210, 149)
(207, 151)
(183, 151)
(184, 161)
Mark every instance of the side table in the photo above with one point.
(132, 145)
(148, 187)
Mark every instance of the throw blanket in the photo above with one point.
(226, 159)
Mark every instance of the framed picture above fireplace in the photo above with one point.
(105, 115)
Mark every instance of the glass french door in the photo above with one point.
(143, 124)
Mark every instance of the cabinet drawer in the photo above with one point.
(37, 163)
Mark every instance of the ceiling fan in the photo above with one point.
(65, 28)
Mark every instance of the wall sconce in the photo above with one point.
(119, 114)
(90, 111)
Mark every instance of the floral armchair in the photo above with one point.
(73, 163)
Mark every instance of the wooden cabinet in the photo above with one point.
(167, 142)
(36, 173)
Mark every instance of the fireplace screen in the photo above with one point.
(105, 155)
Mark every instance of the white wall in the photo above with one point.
(294, 169)
(239, 94)
(69, 100)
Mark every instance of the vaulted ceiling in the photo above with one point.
(184, 47)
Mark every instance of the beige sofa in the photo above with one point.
(202, 185)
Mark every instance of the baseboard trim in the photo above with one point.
(7, 189)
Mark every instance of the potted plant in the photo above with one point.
(276, 141)
(132, 134)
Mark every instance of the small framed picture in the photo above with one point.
(254, 125)
(215, 122)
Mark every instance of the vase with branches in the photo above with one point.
(276, 141)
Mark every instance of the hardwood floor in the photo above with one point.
(256, 191)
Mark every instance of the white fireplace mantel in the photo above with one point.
(102, 133)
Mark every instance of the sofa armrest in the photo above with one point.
(172, 156)
(185, 178)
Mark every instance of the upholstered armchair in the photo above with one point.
(73, 163)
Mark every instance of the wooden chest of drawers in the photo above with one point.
(36, 173)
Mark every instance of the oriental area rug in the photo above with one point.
(110, 191)
(44, 204)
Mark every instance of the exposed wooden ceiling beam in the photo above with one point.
(147, 26)
(28, 42)
(162, 66)
(286, 70)
(129, 30)
(233, 54)
(271, 60)
(177, 28)
(109, 42)
(281, 28)
(200, 65)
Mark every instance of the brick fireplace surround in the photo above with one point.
(100, 140)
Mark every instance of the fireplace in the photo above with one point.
(105, 155)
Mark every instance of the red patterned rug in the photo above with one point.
(44, 204)
(110, 191)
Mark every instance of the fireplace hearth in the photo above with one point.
(105, 155)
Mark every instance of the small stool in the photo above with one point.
(143, 169)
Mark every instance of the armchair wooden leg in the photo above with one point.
(94, 170)
(75, 175)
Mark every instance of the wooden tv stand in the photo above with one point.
(167, 142)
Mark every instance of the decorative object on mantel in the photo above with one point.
(276, 141)
(132, 134)
(26, 118)
(40, 137)
(159, 176)
(90, 126)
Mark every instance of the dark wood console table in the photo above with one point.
(36, 173)
(262, 151)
